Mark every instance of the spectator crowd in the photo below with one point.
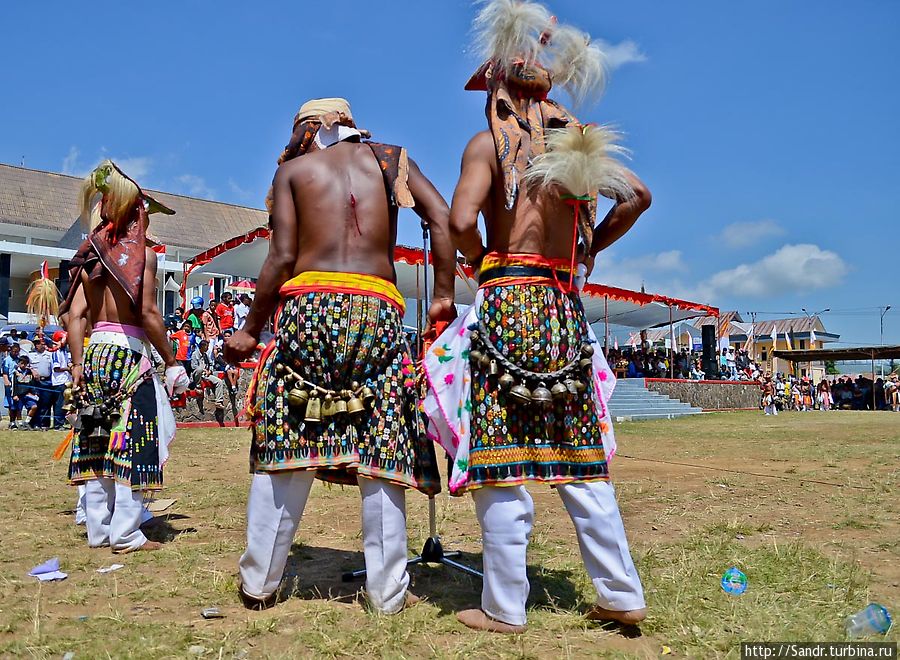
(198, 337)
(35, 367)
(646, 362)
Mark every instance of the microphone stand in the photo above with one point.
(433, 551)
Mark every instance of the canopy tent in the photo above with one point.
(243, 256)
(836, 354)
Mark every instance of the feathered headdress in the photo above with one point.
(582, 160)
(512, 35)
(42, 300)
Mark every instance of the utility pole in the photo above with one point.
(883, 310)
(812, 320)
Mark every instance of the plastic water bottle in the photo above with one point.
(874, 620)
(734, 582)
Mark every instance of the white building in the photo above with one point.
(38, 222)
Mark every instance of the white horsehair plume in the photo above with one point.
(577, 65)
(508, 30)
(583, 161)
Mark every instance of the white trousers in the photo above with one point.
(274, 508)
(113, 514)
(506, 515)
(771, 409)
(81, 516)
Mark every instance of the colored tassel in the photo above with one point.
(64, 445)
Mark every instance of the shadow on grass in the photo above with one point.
(160, 528)
(314, 573)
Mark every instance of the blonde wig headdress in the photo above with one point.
(42, 300)
(119, 193)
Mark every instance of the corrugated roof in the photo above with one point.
(798, 324)
(46, 200)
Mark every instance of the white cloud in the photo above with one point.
(195, 186)
(237, 191)
(632, 272)
(137, 168)
(70, 163)
(746, 234)
(792, 268)
(622, 53)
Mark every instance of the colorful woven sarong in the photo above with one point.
(117, 365)
(334, 329)
(537, 322)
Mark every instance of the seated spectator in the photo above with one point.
(634, 371)
(203, 370)
(696, 372)
(25, 399)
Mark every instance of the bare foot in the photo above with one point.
(478, 620)
(628, 617)
(148, 546)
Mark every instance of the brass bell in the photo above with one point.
(559, 391)
(587, 350)
(328, 408)
(521, 393)
(314, 410)
(340, 407)
(355, 406)
(290, 378)
(475, 356)
(297, 397)
(580, 386)
(507, 381)
(367, 395)
(541, 395)
(494, 369)
(485, 361)
(474, 336)
(570, 385)
(585, 362)
(280, 368)
(68, 393)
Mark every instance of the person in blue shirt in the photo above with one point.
(7, 367)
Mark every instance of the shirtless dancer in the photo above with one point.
(518, 385)
(124, 422)
(333, 397)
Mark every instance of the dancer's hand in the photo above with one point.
(441, 312)
(77, 374)
(589, 264)
(240, 346)
(177, 380)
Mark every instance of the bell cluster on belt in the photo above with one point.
(101, 416)
(320, 402)
(528, 386)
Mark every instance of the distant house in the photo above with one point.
(38, 212)
(798, 332)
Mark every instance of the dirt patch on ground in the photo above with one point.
(810, 495)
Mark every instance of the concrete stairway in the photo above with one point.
(631, 401)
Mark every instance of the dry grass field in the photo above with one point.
(805, 504)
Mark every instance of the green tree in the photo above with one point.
(830, 368)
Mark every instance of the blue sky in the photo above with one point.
(767, 131)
